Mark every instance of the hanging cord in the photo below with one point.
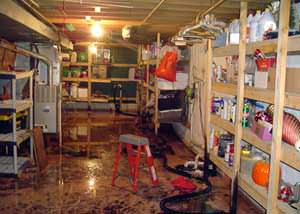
(179, 170)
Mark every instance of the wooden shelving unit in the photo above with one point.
(279, 152)
(10, 165)
(90, 80)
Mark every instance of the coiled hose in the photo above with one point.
(290, 129)
(188, 196)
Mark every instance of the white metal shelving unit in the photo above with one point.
(12, 164)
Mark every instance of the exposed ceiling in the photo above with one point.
(168, 19)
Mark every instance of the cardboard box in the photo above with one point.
(261, 131)
(292, 80)
(82, 92)
(99, 71)
(261, 79)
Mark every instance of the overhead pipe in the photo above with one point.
(208, 10)
(152, 11)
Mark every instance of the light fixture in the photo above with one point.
(97, 9)
(97, 30)
(88, 18)
(93, 49)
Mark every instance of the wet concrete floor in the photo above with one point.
(78, 179)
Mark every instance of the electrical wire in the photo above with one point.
(187, 196)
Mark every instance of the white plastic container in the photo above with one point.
(265, 24)
(254, 26)
(234, 32)
(74, 90)
(249, 20)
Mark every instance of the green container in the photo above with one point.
(82, 57)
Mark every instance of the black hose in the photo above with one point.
(187, 196)
(118, 103)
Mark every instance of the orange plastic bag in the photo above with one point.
(167, 67)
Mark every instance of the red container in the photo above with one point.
(264, 64)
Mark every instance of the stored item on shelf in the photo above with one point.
(229, 150)
(73, 57)
(262, 130)
(285, 193)
(249, 20)
(291, 78)
(8, 56)
(260, 173)
(247, 163)
(99, 71)
(65, 57)
(223, 141)
(246, 110)
(266, 24)
(254, 27)
(263, 116)
(102, 56)
(261, 79)
(167, 67)
(264, 64)
(131, 73)
(6, 122)
(82, 130)
(234, 32)
(221, 40)
(82, 92)
(291, 130)
(74, 90)
(249, 79)
(82, 57)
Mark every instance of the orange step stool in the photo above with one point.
(142, 143)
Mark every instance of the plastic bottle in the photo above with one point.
(265, 24)
(249, 20)
(254, 26)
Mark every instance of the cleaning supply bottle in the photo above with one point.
(249, 20)
(254, 26)
(266, 24)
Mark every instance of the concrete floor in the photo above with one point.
(78, 179)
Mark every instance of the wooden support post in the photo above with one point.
(208, 84)
(147, 78)
(89, 78)
(278, 106)
(156, 112)
(240, 104)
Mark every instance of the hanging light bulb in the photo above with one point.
(97, 30)
(93, 49)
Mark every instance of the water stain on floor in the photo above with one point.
(78, 179)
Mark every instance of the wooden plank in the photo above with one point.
(240, 104)
(156, 113)
(220, 163)
(73, 79)
(282, 49)
(224, 124)
(208, 94)
(292, 100)
(267, 46)
(253, 139)
(258, 193)
(39, 149)
(16, 13)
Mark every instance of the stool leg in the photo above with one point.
(150, 163)
(116, 164)
(130, 159)
(136, 171)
